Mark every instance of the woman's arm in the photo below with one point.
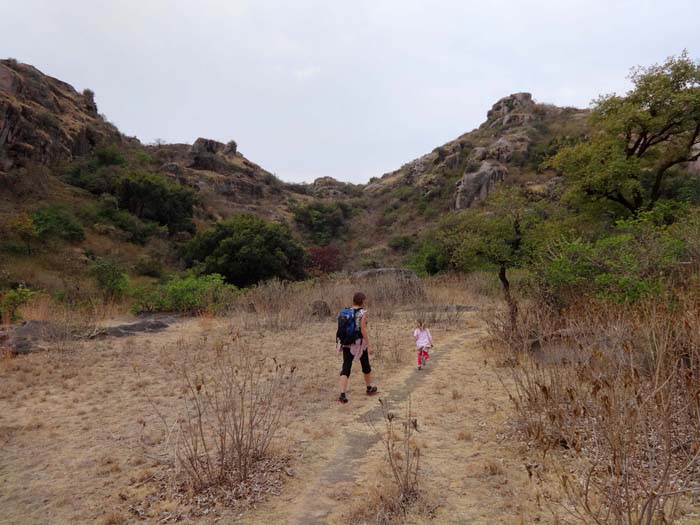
(363, 331)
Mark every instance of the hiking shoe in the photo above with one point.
(342, 399)
(371, 390)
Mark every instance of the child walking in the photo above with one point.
(423, 341)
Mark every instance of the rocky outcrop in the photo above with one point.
(44, 120)
(476, 186)
(513, 110)
(328, 188)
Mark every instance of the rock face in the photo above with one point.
(514, 113)
(44, 120)
(515, 109)
(477, 185)
(481, 159)
(202, 145)
(328, 187)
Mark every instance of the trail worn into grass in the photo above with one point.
(469, 472)
(79, 432)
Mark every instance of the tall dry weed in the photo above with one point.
(614, 390)
(233, 410)
(396, 432)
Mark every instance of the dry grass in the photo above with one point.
(612, 392)
(81, 420)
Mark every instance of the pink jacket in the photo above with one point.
(422, 337)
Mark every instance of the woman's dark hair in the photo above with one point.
(358, 298)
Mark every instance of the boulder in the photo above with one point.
(202, 145)
(146, 325)
(28, 337)
(476, 186)
(517, 103)
(505, 148)
(171, 167)
(231, 148)
(320, 309)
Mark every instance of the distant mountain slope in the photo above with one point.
(48, 129)
(508, 148)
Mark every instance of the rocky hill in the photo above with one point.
(508, 148)
(517, 130)
(48, 129)
(44, 120)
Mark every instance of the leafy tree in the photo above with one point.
(323, 222)
(498, 238)
(640, 138)
(246, 250)
(151, 197)
(629, 263)
(23, 226)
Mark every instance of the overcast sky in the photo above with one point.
(348, 89)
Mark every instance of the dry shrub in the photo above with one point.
(281, 305)
(616, 390)
(402, 456)
(63, 323)
(233, 410)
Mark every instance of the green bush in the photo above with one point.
(11, 300)
(55, 221)
(107, 212)
(152, 197)
(189, 294)
(246, 250)
(94, 176)
(110, 277)
(401, 243)
(627, 265)
(109, 156)
(323, 222)
(149, 267)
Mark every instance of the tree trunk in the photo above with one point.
(512, 303)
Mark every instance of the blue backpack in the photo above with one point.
(348, 328)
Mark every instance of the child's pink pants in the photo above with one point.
(422, 352)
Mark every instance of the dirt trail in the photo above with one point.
(471, 473)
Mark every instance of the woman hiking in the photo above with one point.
(353, 342)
